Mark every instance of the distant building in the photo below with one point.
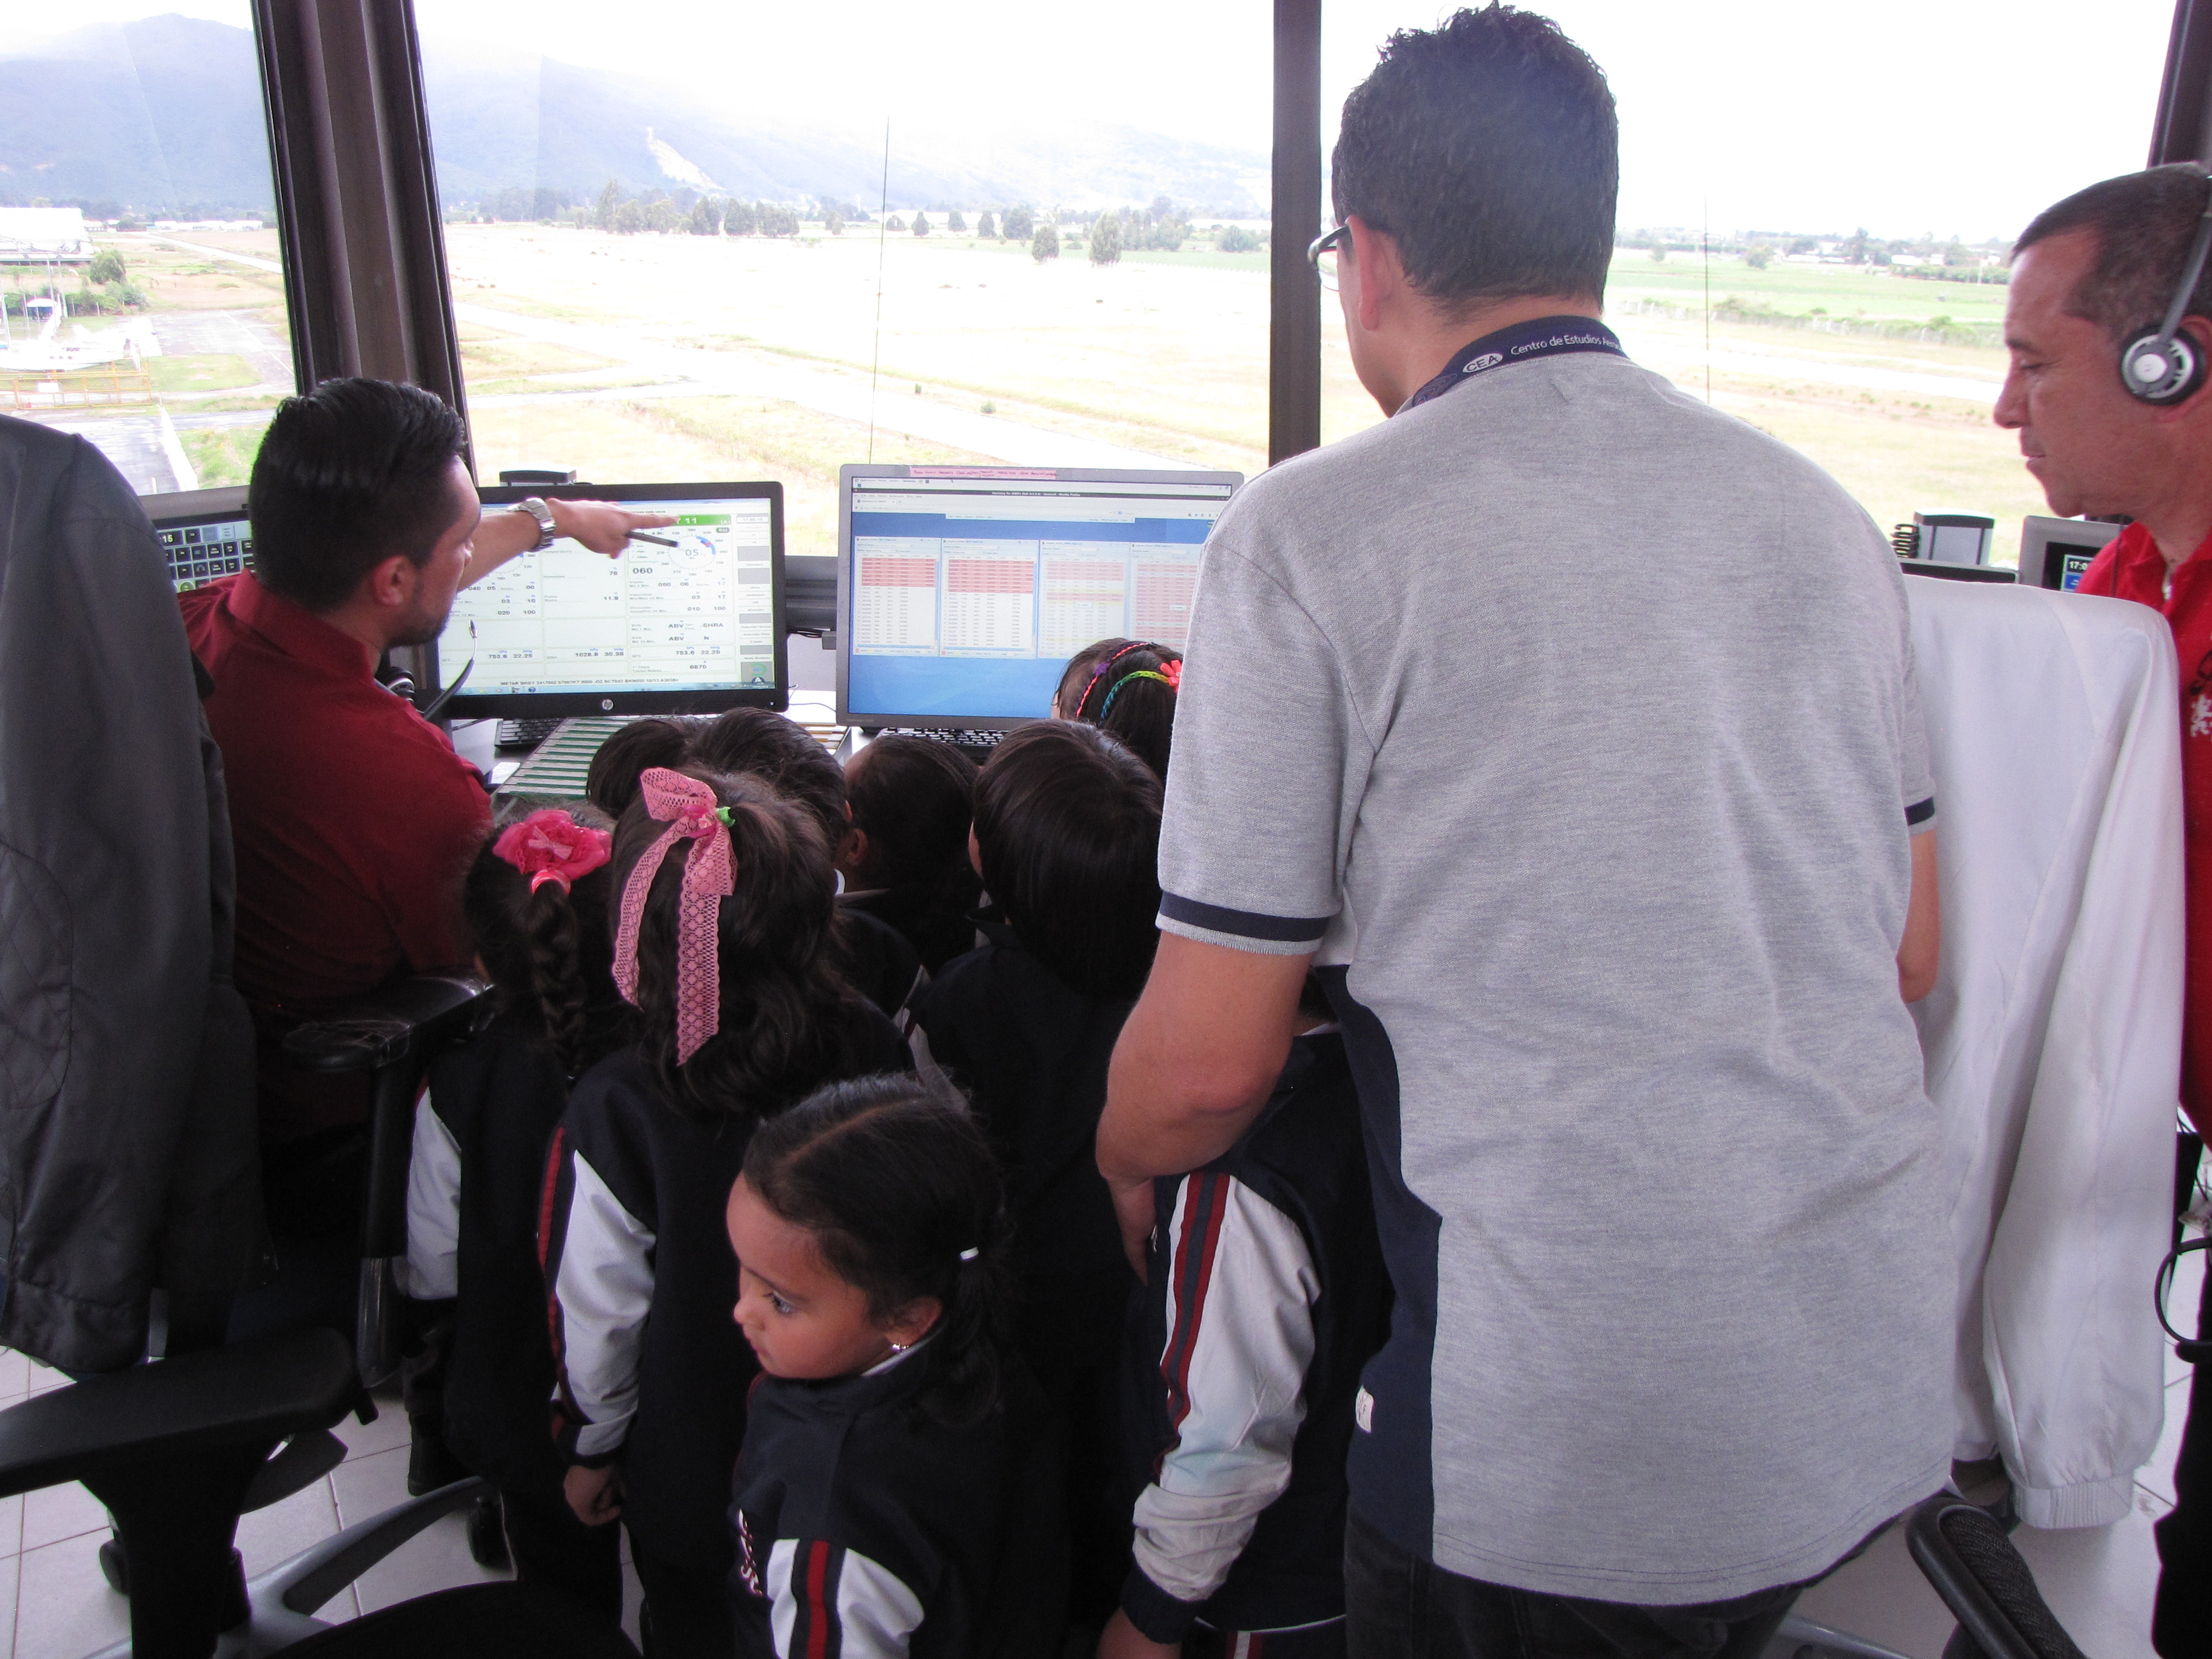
(44, 236)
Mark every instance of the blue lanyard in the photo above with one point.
(1520, 342)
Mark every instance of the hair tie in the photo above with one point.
(691, 812)
(1091, 684)
(1172, 684)
(550, 846)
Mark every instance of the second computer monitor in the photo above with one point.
(963, 592)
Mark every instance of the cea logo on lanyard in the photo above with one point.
(1520, 342)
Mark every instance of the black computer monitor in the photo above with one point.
(693, 629)
(205, 534)
(2057, 553)
(962, 591)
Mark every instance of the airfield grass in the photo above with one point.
(214, 372)
(1868, 292)
(222, 455)
(675, 440)
(1162, 353)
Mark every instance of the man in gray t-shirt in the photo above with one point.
(1570, 728)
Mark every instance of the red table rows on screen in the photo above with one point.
(989, 576)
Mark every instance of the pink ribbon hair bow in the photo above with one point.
(689, 808)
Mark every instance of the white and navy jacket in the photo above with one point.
(1266, 1296)
(474, 1183)
(639, 1281)
(866, 1529)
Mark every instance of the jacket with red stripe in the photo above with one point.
(867, 1530)
(474, 1184)
(1266, 1296)
(641, 1282)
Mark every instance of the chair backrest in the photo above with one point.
(1965, 1553)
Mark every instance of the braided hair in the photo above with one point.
(1126, 688)
(550, 954)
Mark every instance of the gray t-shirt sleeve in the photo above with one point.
(1915, 776)
(1269, 757)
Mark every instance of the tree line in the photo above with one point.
(1104, 235)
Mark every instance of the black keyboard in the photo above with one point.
(524, 734)
(985, 741)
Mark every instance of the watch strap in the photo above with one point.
(535, 508)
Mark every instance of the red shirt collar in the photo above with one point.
(296, 631)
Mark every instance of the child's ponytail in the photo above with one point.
(897, 1184)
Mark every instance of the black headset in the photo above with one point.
(2164, 365)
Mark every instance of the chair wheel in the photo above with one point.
(487, 1537)
(112, 1567)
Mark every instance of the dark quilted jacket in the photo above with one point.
(127, 1148)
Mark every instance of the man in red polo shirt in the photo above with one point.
(353, 817)
(2089, 275)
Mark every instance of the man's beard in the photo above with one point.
(420, 627)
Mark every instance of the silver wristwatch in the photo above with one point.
(535, 508)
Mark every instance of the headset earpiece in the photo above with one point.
(2160, 371)
(2163, 365)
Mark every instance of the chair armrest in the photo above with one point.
(255, 1392)
(407, 1017)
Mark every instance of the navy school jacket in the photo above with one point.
(866, 1530)
(651, 1369)
(1266, 1294)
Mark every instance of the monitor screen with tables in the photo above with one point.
(963, 592)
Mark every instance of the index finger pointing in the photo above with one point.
(650, 520)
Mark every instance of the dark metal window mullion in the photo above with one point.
(1294, 297)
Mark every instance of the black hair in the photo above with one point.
(1488, 149)
(1120, 686)
(2143, 223)
(348, 476)
(788, 1018)
(1067, 825)
(782, 753)
(551, 956)
(896, 1184)
(610, 781)
(914, 798)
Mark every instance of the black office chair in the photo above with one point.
(394, 1034)
(176, 1450)
(1965, 1553)
(173, 1448)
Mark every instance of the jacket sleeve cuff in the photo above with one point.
(1157, 1616)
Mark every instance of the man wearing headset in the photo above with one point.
(2109, 322)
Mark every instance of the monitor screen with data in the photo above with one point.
(962, 591)
(693, 627)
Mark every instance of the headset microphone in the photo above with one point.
(2166, 365)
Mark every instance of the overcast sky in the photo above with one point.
(1906, 116)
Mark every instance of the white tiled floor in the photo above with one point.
(54, 1604)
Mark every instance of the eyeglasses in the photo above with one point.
(1322, 253)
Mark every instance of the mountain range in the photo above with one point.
(164, 115)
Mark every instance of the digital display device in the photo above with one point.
(205, 535)
(693, 627)
(2057, 553)
(962, 591)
